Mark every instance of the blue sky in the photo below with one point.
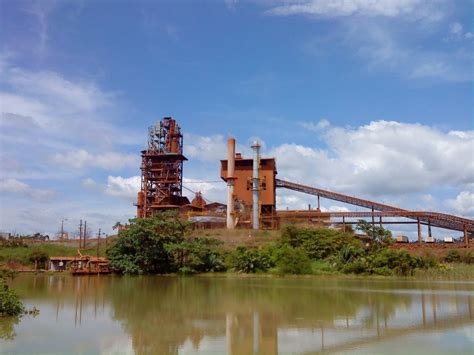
(368, 98)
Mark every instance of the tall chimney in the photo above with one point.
(230, 182)
(255, 185)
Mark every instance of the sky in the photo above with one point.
(369, 98)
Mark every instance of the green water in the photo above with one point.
(240, 315)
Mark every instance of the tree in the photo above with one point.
(379, 236)
(146, 246)
(39, 258)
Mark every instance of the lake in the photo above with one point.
(216, 314)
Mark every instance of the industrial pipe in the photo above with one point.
(230, 182)
(255, 185)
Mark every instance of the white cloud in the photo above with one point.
(213, 148)
(81, 158)
(381, 158)
(381, 48)
(316, 126)
(211, 191)
(88, 183)
(463, 203)
(77, 95)
(18, 187)
(456, 33)
(126, 188)
(455, 28)
(341, 8)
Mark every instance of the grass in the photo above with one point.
(21, 255)
(322, 267)
(454, 271)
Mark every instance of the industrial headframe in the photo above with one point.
(162, 169)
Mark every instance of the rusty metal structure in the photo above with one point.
(245, 182)
(433, 219)
(252, 187)
(162, 170)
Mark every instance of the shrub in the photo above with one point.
(467, 257)
(318, 243)
(358, 266)
(453, 256)
(349, 252)
(199, 255)
(10, 304)
(249, 261)
(293, 261)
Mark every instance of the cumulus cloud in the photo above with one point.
(381, 158)
(463, 203)
(81, 158)
(18, 187)
(212, 191)
(126, 188)
(210, 148)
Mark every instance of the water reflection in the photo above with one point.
(239, 315)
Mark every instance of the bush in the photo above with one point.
(199, 255)
(250, 261)
(453, 256)
(467, 257)
(10, 304)
(358, 266)
(318, 243)
(349, 252)
(293, 261)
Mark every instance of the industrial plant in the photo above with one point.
(252, 186)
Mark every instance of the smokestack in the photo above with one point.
(230, 182)
(255, 185)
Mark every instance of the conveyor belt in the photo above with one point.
(440, 220)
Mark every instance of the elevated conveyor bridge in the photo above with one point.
(435, 219)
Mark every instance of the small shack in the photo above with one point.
(61, 263)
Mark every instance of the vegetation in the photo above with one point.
(29, 254)
(293, 261)
(158, 245)
(10, 304)
(250, 260)
(165, 244)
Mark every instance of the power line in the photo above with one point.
(194, 192)
(207, 182)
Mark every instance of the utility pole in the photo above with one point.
(85, 233)
(80, 233)
(98, 242)
(62, 227)
(106, 236)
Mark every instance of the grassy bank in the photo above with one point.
(22, 257)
